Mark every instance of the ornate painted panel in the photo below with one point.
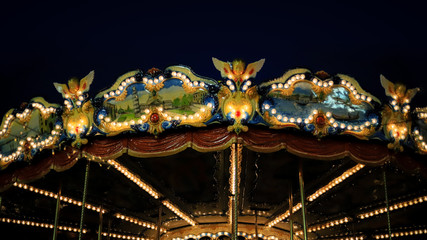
(155, 102)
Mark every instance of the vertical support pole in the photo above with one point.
(0, 204)
(109, 227)
(222, 191)
(159, 221)
(84, 200)
(235, 161)
(386, 203)
(58, 207)
(101, 219)
(291, 212)
(301, 186)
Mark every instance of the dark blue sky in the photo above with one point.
(42, 43)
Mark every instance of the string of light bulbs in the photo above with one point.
(40, 225)
(336, 181)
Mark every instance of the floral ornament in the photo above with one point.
(396, 119)
(237, 70)
(321, 122)
(238, 102)
(75, 86)
(78, 115)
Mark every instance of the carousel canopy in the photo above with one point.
(174, 155)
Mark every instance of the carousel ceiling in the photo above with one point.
(200, 155)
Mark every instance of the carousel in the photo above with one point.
(168, 154)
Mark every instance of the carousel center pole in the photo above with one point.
(58, 207)
(84, 200)
(301, 186)
(386, 203)
(235, 161)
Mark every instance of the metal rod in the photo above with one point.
(101, 219)
(301, 187)
(291, 212)
(159, 222)
(0, 204)
(386, 203)
(221, 183)
(84, 200)
(58, 207)
(109, 227)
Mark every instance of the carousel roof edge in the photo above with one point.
(103, 150)
(155, 102)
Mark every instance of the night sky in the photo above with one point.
(42, 43)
